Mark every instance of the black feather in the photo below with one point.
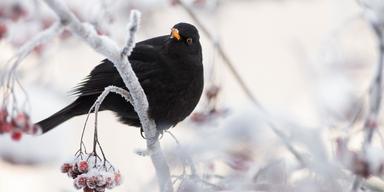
(170, 72)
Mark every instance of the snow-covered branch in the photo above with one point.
(39, 39)
(375, 94)
(28, 47)
(118, 56)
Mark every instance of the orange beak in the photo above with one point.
(175, 34)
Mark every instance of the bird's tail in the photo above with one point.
(78, 107)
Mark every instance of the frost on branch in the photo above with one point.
(15, 118)
(89, 171)
(110, 49)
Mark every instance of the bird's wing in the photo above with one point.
(146, 61)
(156, 41)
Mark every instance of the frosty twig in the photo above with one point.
(118, 56)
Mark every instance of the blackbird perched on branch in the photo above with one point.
(169, 69)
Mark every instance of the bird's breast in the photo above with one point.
(177, 97)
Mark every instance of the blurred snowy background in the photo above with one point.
(310, 63)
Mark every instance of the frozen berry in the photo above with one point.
(21, 120)
(66, 167)
(174, 2)
(39, 49)
(91, 182)
(199, 117)
(80, 182)
(100, 180)
(87, 189)
(100, 189)
(65, 34)
(7, 127)
(73, 173)
(109, 183)
(16, 136)
(3, 111)
(371, 123)
(117, 178)
(212, 91)
(46, 23)
(82, 166)
(3, 32)
(17, 12)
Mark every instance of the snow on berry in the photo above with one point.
(66, 167)
(21, 120)
(100, 180)
(82, 166)
(91, 173)
(91, 182)
(117, 178)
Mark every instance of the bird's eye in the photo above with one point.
(189, 41)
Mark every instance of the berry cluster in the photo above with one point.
(17, 124)
(92, 174)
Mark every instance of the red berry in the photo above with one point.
(100, 180)
(66, 167)
(65, 34)
(87, 189)
(39, 49)
(7, 127)
(82, 166)
(109, 183)
(16, 136)
(3, 111)
(46, 23)
(174, 2)
(199, 3)
(73, 173)
(212, 91)
(91, 182)
(3, 30)
(371, 123)
(80, 182)
(117, 178)
(21, 120)
(199, 117)
(100, 189)
(17, 12)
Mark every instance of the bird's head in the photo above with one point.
(184, 38)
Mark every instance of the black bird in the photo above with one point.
(169, 69)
